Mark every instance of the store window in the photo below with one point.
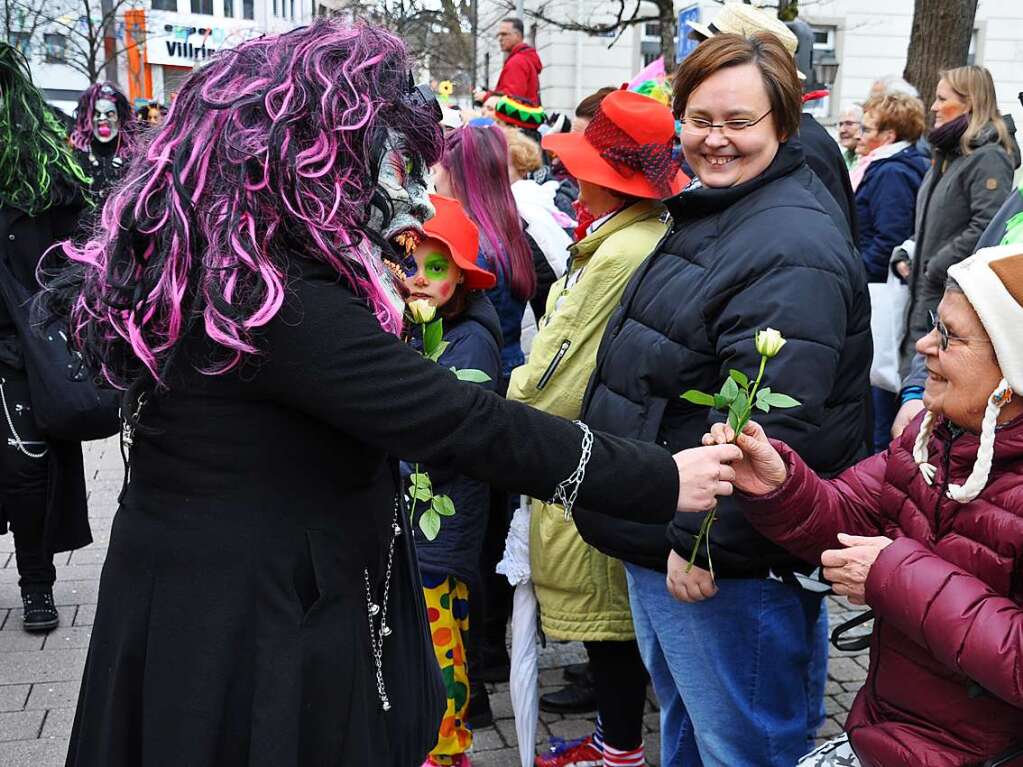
(229, 9)
(824, 49)
(165, 5)
(56, 48)
(202, 6)
(22, 41)
(248, 9)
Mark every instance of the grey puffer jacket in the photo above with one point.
(958, 198)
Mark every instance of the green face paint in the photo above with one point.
(436, 267)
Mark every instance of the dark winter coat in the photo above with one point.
(509, 310)
(231, 629)
(520, 75)
(885, 207)
(944, 687)
(474, 341)
(825, 159)
(957, 200)
(23, 240)
(766, 253)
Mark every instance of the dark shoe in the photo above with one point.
(578, 673)
(479, 713)
(495, 666)
(40, 614)
(573, 699)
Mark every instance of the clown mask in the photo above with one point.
(105, 122)
(404, 185)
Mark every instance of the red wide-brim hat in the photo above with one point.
(455, 229)
(627, 147)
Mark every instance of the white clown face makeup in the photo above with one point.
(105, 122)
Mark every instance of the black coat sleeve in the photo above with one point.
(329, 358)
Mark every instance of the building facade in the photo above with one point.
(157, 42)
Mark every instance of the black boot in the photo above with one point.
(479, 713)
(576, 698)
(40, 614)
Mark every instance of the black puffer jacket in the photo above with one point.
(766, 253)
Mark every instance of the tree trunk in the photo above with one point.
(940, 40)
(667, 20)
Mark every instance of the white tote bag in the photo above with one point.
(888, 304)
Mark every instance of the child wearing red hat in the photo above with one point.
(445, 276)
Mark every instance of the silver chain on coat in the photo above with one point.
(379, 631)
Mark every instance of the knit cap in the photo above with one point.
(992, 280)
(519, 113)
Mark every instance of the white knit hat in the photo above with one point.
(992, 280)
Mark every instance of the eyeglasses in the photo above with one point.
(697, 126)
(946, 337)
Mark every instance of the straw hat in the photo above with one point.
(745, 20)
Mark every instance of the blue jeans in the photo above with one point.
(738, 676)
(886, 407)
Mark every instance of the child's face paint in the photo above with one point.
(436, 275)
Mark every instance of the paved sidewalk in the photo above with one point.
(39, 675)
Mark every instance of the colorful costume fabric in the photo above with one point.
(447, 607)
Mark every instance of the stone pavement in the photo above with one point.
(39, 675)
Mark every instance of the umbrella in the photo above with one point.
(524, 686)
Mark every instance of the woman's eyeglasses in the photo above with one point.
(697, 126)
(946, 337)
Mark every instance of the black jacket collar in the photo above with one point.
(697, 201)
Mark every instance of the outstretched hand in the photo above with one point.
(848, 568)
(704, 474)
(760, 469)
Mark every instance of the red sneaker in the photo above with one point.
(575, 753)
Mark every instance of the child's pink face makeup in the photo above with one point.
(436, 275)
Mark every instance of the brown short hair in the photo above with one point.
(898, 112)
(588, 106)
(776, 66)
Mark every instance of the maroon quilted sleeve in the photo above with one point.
(953, 614)
(806, 513)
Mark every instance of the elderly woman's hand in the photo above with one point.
(848, 568)
(694, 586)
(761, 469)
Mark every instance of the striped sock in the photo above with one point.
(598, 736)
(615, 758)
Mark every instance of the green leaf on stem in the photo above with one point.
(443, 505)
(729, 390)
(774, 399)
(720, 402)
(433, 334)
(740, 378)
(699, 398)
(471, 375)
(737, 411)
(420, 487)
(434, 356)
(429, 523)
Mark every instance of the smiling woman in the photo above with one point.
(754, 244)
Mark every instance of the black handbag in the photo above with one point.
(66, 404)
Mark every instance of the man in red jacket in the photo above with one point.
(520, 75)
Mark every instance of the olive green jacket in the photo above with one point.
(582, 593)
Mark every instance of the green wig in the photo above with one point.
(37, 168)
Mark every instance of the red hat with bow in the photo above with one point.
(626, 147)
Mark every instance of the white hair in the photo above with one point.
(895, 84)
(855, 111)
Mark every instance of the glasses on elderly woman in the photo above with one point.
(946, 337)
(697, 126)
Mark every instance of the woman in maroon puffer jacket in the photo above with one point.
(929, 534)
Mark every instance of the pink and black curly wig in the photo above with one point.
(269, 153)
(81, 133)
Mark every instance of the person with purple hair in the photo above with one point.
(260, 604)
(103, 136)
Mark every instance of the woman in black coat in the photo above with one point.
(42, 481)
(260, 604)
(755, 243)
